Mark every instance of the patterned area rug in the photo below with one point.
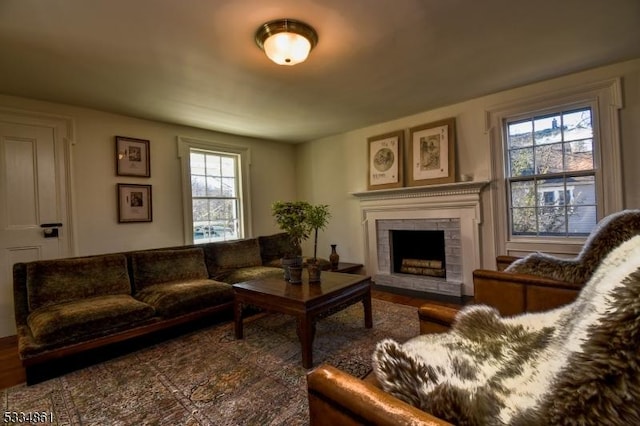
(207, 377)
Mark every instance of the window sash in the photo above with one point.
(605, 99)
(215, 217)
(235, 162)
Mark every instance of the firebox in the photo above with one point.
(418, 252)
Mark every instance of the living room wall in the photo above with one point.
(94, 180)
(331, 168)
(321, 171)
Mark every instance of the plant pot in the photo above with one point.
(314, 272)
(288, 262)
(295, 274)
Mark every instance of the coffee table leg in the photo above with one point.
(306, 332)
(368, 316)
(237, 318)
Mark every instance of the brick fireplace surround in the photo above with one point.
(454, 208)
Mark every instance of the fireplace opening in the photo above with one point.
(418, 253)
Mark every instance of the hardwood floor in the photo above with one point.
(12, 373)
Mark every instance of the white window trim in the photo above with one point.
(185, 144)
(606, 99)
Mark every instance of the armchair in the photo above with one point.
(538, 282)
(576, 364)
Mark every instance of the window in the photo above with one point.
(551, 174)
(216, 188)
(214, 195)
(556, 167)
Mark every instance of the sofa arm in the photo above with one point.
(337, 398)
(436, 318)
(513, 293)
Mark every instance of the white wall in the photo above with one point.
(321, 171)
(331, 168)
(94, 180)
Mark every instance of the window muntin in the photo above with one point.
(215, 189)
(551, 174)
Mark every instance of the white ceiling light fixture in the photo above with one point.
(286, 41)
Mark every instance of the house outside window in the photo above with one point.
(551, 174)
(215, 185)
(556, 167)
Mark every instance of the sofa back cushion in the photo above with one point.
(274, 247)
(165, 266)
(50, 282)
(226, 256)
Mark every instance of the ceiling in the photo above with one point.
(194, 62)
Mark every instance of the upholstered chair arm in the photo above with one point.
(513, 293)
(503, 261)
(337, 398)
(436, 318)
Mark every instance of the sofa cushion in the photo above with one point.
(226, 256)
(275, 263)
(93, 316)
(250, 273)
(274, 247)
(57, 281)
(154, 267)
(170, 300)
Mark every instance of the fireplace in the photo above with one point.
(451, 211)
(418, 253)
(419, 232)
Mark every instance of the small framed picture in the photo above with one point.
(134, 203)
(432, 155)
(385, 161)
(132, 157)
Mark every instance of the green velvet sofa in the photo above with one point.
(67, 307)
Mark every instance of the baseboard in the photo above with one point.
(441, 298)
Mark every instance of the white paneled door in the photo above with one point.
(33, 198)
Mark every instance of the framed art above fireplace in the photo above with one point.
(385, 161)
(432, 153)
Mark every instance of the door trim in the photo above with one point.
(64, 133)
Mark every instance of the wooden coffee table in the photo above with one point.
(307, 302)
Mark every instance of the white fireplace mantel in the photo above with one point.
(446, 190)
(460, 200)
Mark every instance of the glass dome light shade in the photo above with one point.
(286, 41)
(287, 48)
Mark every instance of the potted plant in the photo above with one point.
(291, 218)
(317, 217)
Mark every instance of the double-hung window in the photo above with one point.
(556, 168)
(551, 174)
(215, 186)
(215, 199)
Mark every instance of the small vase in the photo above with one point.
(334, 257)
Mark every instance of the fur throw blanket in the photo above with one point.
(575, 365)
(607, 235)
